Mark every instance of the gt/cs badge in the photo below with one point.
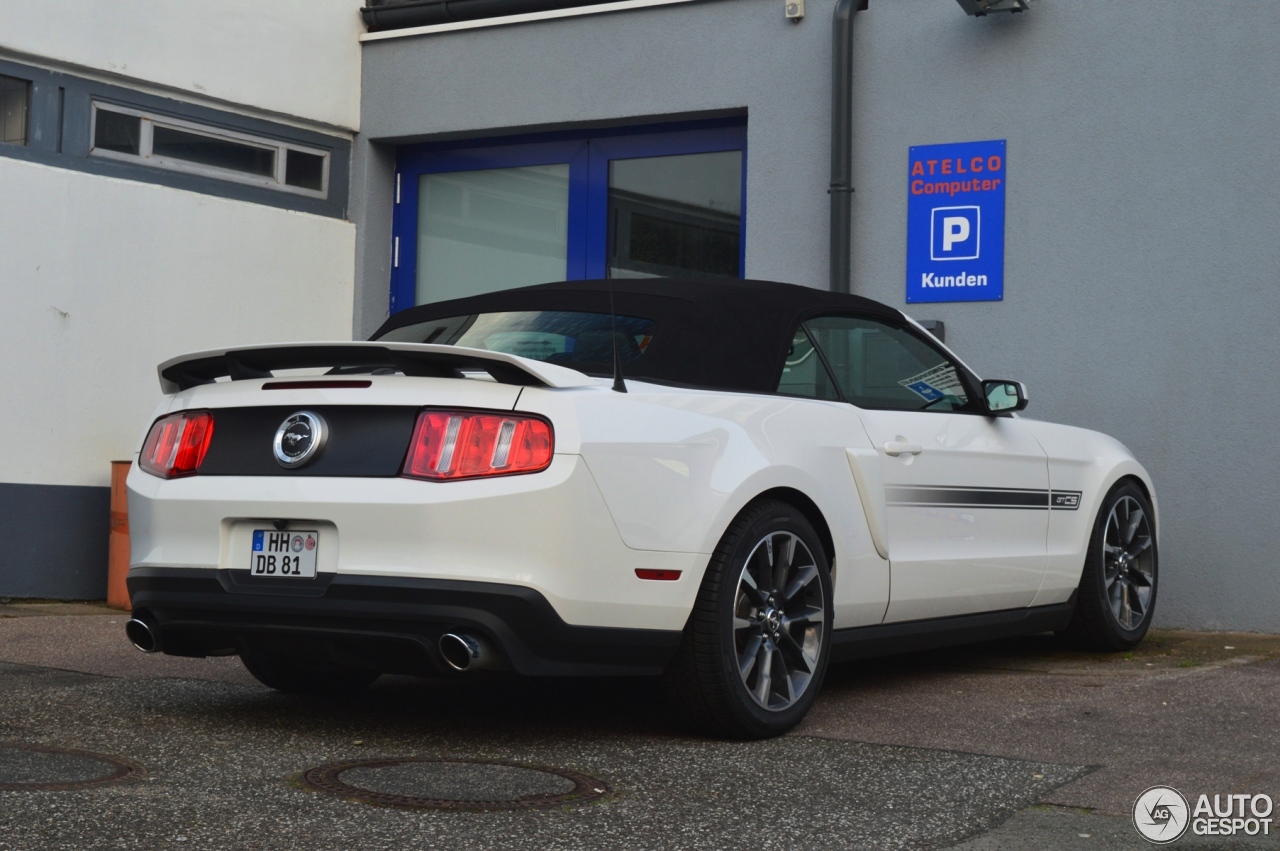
(1067, 500)
(300, 439)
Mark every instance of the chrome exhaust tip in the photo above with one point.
(143, 635)
(463, 652)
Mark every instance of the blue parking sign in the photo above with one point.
(955, 222)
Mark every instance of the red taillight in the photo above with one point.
(176, 444)
(468, 444)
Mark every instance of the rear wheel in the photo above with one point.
(756, 646)
(283, 674)
(1117, 593)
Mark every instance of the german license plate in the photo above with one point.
(284, 553)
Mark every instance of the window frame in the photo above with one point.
(588, 153)
(970, 381)
(148, 119)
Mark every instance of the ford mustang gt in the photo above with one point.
(727, 483)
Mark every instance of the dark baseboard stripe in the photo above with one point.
(53, 541)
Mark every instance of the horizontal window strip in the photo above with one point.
(311, 168)
(159, 140)
(408, 26)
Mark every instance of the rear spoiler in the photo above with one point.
(415, 359)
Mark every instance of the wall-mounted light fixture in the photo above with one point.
(978, 8)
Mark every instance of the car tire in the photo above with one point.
(287, 676)
(1117, 593)
(764, 606)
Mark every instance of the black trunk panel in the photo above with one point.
(364, 441)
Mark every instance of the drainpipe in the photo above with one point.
(841, 188)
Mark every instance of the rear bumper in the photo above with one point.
(550, 532)
(389, 624)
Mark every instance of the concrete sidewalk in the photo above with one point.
(1009, 745)
(1196, 711)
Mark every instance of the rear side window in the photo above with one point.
(885, 367)
(582, 341)
(803, 373)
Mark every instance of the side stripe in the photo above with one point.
(941, 496)
(946, 496)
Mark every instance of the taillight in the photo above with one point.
(176, 444)
(468, 444)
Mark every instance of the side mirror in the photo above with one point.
(1002, 397)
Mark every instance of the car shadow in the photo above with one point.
(482, 703)
(1029, 654)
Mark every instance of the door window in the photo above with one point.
(880, 366)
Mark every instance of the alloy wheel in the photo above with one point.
(778, 620)
(1128, 564)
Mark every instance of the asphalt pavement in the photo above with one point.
(1009, 745)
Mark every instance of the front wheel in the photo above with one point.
(1117, 593)
(757, 643)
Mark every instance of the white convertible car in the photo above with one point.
(728, 483)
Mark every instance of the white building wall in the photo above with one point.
(291, 57)
(101, 279)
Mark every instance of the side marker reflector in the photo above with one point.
(659, 575)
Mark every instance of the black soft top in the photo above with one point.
(718, 333)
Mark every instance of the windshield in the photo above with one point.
(581, 341)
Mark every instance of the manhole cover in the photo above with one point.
(453, 784)
(37, 768)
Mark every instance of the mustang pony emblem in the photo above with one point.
(299, 439)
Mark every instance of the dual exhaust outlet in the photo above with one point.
(463, 652)
(460, 651)
(143, 635)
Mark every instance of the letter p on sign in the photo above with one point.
(955, 233)
(954, 229)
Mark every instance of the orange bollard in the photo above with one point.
(118, 543)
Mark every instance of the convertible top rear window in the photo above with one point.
(576, 339)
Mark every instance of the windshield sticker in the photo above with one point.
(933, 384)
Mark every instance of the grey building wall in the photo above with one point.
(1141, 242)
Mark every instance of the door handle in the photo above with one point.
(896, 447)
